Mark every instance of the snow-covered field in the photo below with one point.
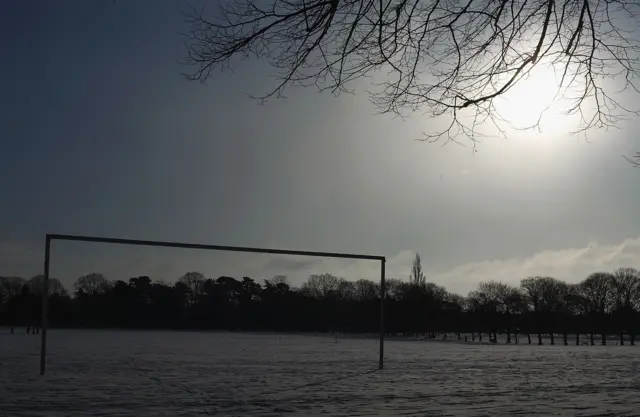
(144, 373)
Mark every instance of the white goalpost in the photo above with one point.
(47, 256)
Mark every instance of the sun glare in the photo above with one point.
(535, 100)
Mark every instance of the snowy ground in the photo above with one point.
(177, 374)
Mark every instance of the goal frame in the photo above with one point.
(135, 242)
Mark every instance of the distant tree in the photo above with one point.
(278, 279)
(435, 293)
(366, 290)
(577, 306)
(429, 300)
(345, 290)
(11, 286)
(626, 289)
(10, 290)
(455, 301)
(321, 286)
(490, 300)
(511, 305)
(141, 283)
(554, 293)
(598, 290)
(393, 288)
(278, 284)
(92, 284)
(453, 306)
(193, 283)
(417, 276)
(231, 288)
(626, 300)
(537, 291)
(556, 308)
(251, 289)
(54, 287)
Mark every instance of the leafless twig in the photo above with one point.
(634, 160)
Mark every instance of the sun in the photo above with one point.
(535, 101)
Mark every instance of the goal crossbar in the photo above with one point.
(156, 243)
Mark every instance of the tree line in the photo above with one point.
(602, 306)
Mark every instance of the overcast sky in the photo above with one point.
(101, 135)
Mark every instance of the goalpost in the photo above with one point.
(47, 255)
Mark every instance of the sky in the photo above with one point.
(100, 134)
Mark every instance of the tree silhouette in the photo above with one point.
(489, 301)
(602, 303)
(366, 290)
(92, 284)
(511, 305)
(10, 286)
(278, 279)
(598, 290)
(534, 289)
(626, 299)
(321, 286)
(193, 283)
(417, 276)
(54, 287)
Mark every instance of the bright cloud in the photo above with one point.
(571, 265)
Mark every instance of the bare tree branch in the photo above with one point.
(634, 160)
(448, 58)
